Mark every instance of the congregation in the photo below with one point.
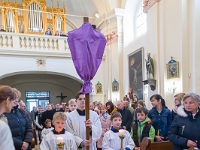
(66, 124)
(48, 32)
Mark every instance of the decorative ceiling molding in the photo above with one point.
(71, 24)
(148, 4)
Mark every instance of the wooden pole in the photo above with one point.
(87, 115)
(87, 104)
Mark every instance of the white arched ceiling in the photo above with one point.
(102, 6)
(80, 7)
(131, 8)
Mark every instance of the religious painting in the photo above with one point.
(115, 86)
(172, 70)
(99, 88)
(135, 62)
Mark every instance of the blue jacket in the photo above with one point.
(161, 122)
(185, 127)
(20, 128)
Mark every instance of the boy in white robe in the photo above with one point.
(58, 135)
(76, 124)
(111, 140)
(48, 128)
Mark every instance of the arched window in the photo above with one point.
(141, 21)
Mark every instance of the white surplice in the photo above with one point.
(75, 125)
(49, 141)
(111, 141)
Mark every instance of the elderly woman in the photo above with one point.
(20, 126)
(184, 132)
(7, 97)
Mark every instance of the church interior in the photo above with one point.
(41, 67)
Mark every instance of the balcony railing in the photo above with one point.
(30, 42)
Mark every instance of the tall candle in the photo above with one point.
(59, 140)
(121, 132)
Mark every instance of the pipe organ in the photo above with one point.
(32, 16)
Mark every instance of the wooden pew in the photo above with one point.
(147, 145)
(35, 136)
(166, 145)
(34, 139)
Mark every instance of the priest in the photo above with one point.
(76, 124)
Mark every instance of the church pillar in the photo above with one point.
(111, 25)
(194, 38)
(168, 35)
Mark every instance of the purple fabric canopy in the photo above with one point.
(87, 47)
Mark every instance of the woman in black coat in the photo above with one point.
(185, 129)
(20, 126)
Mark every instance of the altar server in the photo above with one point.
(76, 124)
(58, 135)
(112, 141)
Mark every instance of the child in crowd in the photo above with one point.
(48, 128)
(105, 124)
(59, 134)
(111, 138)
(72, 104)
(142, 127)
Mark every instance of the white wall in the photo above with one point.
(13, 65)
(56, 84)
(171, 31)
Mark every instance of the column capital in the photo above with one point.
(148, 4)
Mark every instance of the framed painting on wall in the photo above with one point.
(172, 70)
(135, 64)
(99, 88)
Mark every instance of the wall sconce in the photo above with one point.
(97, 15)
(146, 90)
(173, 88)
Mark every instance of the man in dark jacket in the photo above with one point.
(20, 128)
(58, 109)
(2, 29)
(48, 114)
(126, 116)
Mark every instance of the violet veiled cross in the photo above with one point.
(87, 47)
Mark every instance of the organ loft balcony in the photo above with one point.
(32, 44)
(26, 24)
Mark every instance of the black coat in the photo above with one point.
(20, 128)
(127, 118)
(184, 127)
(47, 115)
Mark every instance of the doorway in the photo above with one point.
(35, 98)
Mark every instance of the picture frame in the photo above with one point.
(172, 70)
(136, 67)
(99, 88)
(115, 86)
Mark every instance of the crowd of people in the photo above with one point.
(48, 32)
(66, 123)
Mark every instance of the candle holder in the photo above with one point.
(121, 138)
(61, 145)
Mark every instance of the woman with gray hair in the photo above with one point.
(185, 129)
